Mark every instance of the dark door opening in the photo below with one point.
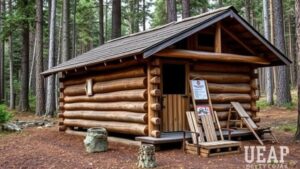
(174, 79)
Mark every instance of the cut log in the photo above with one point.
(221, 77)
(210, 56)
(122, 116)
(220, 68)
(155, 80)
(127, 95)
(108, 86)
(155, 120)
(113, 106)
(155, 71)
(155, 92)
(155, 107)
(229, 97)
(60, 115)
(129, 73)
(226, 107)
(62, 128)
(155, 133)
(111, 126)
(229, 88)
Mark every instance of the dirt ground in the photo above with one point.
(48, 148)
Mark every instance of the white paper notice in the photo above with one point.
(199, 90)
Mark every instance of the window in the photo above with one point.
(174, 79)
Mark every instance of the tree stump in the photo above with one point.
(146, 157)
(96, 140)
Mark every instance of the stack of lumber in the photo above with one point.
(227, 83)
(118, 101)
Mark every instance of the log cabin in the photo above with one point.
(138, 84)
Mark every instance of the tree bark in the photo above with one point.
(248, 10)
(268, 70)
(171, 11)
(50, 101)
(11, 84)
(65, 31)
(282, 89)
(1, 53)
(116, 19)
(24, 100)
(144, 15)
(291, 44)
(40, 92)
(101, 26)
(185, 8)
(74, 46)
(297, 14)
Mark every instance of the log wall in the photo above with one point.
(226, 83)
(119, 100)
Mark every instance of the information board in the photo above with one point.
(199, 89)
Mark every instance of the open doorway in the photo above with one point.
(174, 83)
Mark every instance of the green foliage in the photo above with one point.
(290, 127)
(262, 103)
(4, 114)
(159, 17)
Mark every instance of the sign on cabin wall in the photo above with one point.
(202, 110)
(199, 89)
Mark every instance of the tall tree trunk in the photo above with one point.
(50, 101)
(101, 30)
(1, 54)
(116, 19)
(268, 70)
(185, 8)
(293, 66)
(40, 91)
(144, 15)
(283, 94)
(220, 3)
(24, 94)
(65, 31)
(171, 11)
(297, 15)
(74, 47)
(248, 10)
(11, 67)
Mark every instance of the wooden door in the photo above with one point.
(173, 115)
(174, 98)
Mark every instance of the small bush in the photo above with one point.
(262, 103)
(288, 127)
(4, 114)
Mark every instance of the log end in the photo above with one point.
(155, 120)
(155, 133)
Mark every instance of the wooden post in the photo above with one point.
(154, 107)
(218, 40)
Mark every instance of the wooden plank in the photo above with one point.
(165, 114)
(192, 126)
(218, 38)
(175, 112)
(170, 113)
(197, 127)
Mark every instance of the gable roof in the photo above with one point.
(154, 40)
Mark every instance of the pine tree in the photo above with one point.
(171, 10)
(283, 94)
(297, 14)
(40, 91)
(185, 8)
(101, 23)
(116, 19)
(65, 31)
(2, 3)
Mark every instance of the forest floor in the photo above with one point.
(48, 148)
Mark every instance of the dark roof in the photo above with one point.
(154, 40)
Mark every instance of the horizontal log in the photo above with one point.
(155, 92)
(155, 71)
(223, 115)
(156, 107)
(210, 56)
(127, 95)
(122, 116)
(226, 107)
(155, 133)
(220, 68)
(221, 77)
(155, 80)
(229, 88)
(108, 86)
(229, 97)
(60, 123)
(111, 126)
(155, 120)
(60, 115)
(120, 74)
(113, 106)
